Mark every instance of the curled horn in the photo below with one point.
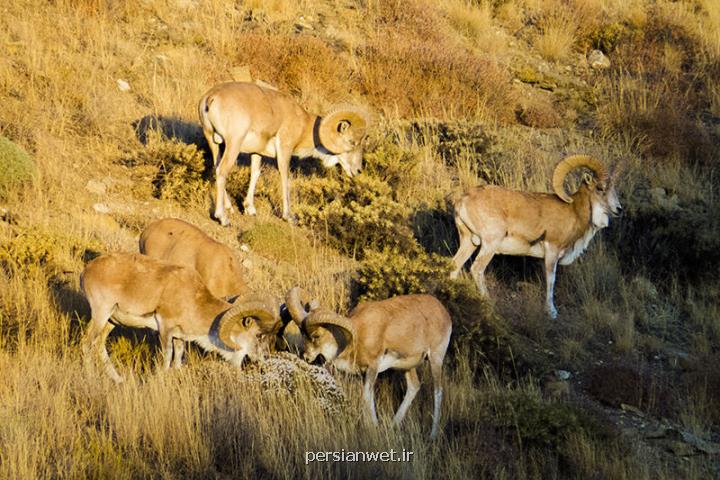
(571, 163)
(323, 317)
(343, 121)
(271, 305)
(238, 313)
(295, 301)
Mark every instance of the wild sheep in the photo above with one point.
(556, 227)
(178, 242)
(141, 292)
(249, 118)
(398, 333)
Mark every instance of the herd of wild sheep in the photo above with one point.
(189, 287)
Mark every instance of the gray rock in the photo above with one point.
(598, 60)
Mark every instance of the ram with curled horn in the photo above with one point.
(556, 227)
(260, 121)
(399, 333)
(137, 291)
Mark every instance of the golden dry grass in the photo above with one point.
(413, 61)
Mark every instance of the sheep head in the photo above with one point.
(327, 334)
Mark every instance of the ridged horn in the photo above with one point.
(271, 305)
(343, 121)
(257, 310)
(571, 163)
(323, 317)
(295, 301)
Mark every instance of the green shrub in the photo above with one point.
(355, 215)
(607, 37)
(16, 166)
(41, 248)
(391, 272)
(535, 422)
(390, 162)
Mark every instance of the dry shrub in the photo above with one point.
(178, 169)
(426, 78)
(297, 63)
(539, 112)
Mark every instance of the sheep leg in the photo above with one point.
(487, 252)
(283, 159)
(465, 249)
(369, 392)
(166, 343)
(413, 385)
(227, 162)
(178, 352)
(96, 337)
(551, 261)
(255, 165)
(436, 364)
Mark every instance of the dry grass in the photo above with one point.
(555, 42)
(414, 61)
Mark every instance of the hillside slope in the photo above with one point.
(102, 97)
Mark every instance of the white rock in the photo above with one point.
(244, 247)
(123, 85)
(101, 208)
(563, 374)
(96, 187)
(598, 60)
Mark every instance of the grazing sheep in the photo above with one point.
(141, 292)
(261, 121)
(398, 333)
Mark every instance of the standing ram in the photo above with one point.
(261, 121)
(141, 292)
(557, 227)
(398, 333)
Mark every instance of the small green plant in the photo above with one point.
(16, 166)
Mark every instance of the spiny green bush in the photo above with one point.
(16, 166)
(391, 272)
(390, 162)
(356, 215)
(42, 248)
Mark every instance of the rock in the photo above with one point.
(703, 446)
(563, 374)
(241, 73)
(96, 187)
(244, 248)
(123, 85)
(101, 208)
(598, 60)
(303, 24)
(556, 389)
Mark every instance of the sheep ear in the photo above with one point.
(247, 322)
(587, 178)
